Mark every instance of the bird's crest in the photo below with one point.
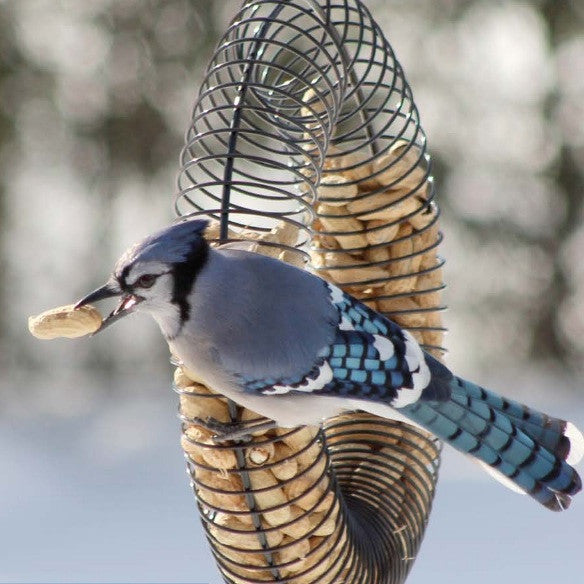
(171, 245)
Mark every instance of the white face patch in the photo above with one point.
(325, 375)
(143, 268)
(158, 303)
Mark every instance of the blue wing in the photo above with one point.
(370, 358)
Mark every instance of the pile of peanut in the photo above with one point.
(281, 516)
(285, 520)
(378, 236)
(288, 498)
(267, 243)
(391, 466)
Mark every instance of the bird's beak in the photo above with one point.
(126, 305)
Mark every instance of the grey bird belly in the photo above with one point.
(287, 410)
(257, 318)
(253, 318)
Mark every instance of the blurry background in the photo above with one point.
(94, 100)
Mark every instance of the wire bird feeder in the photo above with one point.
(305, 145)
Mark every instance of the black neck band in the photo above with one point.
(185, 274)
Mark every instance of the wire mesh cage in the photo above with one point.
(305, 144)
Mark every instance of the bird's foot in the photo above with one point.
(226, 431)
(243, 431)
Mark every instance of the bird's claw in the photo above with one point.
(227, 431)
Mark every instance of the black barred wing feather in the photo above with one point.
(370, 358)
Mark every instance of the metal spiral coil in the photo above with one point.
(250, 147)
(382, 476)
(305, 117)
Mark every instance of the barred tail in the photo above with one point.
(532, 450)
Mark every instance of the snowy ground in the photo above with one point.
(78, 507)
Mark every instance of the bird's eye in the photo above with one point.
(146, 281)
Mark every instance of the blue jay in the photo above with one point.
(296, 349)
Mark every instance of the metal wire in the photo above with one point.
(290, 84)
(303, 104)
(384, 476)
(250, 144)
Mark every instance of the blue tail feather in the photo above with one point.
(547, 431)
(526, 446)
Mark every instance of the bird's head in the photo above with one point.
(156, 275)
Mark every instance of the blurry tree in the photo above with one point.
(95, 98)
(551, 315)
(98, 92)
(7, 63)
(553, 337)
(500, 91)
